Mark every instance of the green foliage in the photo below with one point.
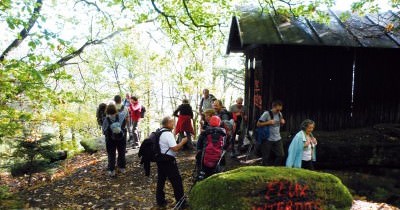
(32, 154)
(25, 168)
(237, 189)
(4, 194)
(8, 200)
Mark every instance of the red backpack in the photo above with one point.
(213, 149)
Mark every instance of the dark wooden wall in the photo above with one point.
(316, 83)
(377, 87)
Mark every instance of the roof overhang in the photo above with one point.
(255, 28)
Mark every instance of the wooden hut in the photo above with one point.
(344, 74)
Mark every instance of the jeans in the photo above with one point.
(112, 147)
(135, 133)
(277, 149)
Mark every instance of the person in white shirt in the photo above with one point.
(169, 168)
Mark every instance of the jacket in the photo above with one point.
(295, 153)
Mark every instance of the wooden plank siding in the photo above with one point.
(316, 83)
(377, 87)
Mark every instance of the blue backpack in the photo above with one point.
(262, 133)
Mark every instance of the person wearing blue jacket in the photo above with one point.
(302, 149)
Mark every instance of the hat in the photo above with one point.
(215, 121)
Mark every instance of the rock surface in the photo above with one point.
(257, 187)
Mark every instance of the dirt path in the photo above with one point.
(90, 187)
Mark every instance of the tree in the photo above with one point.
(34, 154)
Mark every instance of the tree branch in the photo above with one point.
(63, 61)
(24, 32)
(191, 18)
(106, 15)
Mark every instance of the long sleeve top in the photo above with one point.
(295, 152)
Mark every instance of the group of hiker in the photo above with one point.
(219, 129)
(118, 120)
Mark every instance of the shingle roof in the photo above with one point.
(253, 28)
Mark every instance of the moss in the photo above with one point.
(246, 187)
(90, 145)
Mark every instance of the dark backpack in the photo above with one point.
(113, 135)
(262, 133)
(213, 148)
(142, 112)
(150, 148)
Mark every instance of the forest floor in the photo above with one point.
(82, 183)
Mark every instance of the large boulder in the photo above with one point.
(376, 146)
(93, 145)
(258, 187)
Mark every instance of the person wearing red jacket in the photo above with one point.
(135, 110)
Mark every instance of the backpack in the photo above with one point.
(150, 148)
(114, 129)
(263, 132)
(142, 112)
(101, 113)
(212, 151)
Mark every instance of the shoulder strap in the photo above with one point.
(271, 115)
(159, 135)
(109, 123)
(122, 108)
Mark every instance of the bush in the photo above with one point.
(22, 168)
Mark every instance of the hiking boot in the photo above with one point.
(111, 173)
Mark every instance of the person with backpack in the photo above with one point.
(210, 147)
(166, 165)
(122, 108)
(114, 131)
(227, 122)
(272, 121)
(126, 103)
(302, 152)
(237, 111)
(184, 125)
(135, 110)
(206, 102)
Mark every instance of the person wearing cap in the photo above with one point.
(214, 129)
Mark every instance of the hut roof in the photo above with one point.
(370, 31)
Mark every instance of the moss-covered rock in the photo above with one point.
(257, 187)
(93, 145)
